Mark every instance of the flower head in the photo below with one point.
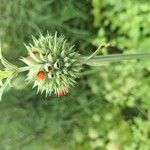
(54, 64)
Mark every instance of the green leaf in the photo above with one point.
(4, 74)
(4, 61)
(5, 85)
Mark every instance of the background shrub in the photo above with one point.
(109, 108)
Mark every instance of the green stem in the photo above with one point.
(98, 60)
(97, 51)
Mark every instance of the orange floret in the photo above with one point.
(41, 75)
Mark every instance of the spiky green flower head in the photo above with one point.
(53, 64)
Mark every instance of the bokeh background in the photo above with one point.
(109, 107)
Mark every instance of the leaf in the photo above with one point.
(4, 74)
(5, 85)
(4, 61)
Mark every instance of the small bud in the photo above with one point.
(62, 91)
(35, 52)
(50, 68)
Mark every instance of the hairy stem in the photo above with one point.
(98, 60)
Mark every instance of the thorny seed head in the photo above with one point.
(54, 64)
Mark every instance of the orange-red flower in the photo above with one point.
(41, 75)
(62, 91)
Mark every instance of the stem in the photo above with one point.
(97, 51)
(98, 60)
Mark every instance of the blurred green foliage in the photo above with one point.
(109, 108)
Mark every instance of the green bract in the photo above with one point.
(54, 64)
